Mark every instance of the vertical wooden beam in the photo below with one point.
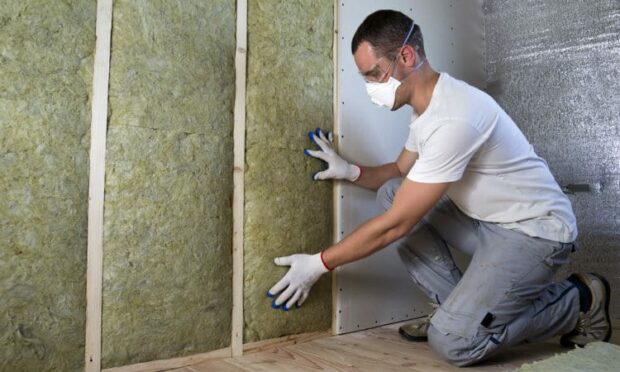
(98, 127)
(336, 187)
(238, 178)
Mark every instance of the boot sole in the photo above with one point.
(411, 338)
(566, 343)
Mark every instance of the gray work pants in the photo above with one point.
(505, 297)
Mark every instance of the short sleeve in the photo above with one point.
(446, 153)
(411, 144)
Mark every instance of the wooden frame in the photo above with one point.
(252, 347)
(96, 199)
(336, 131)
(166, 364)
(98, 127)
(238, 179)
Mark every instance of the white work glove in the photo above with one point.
(295, 285)
(337, 167)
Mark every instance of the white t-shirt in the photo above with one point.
(466, 138)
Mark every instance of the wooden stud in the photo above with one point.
(336, 187)
(238, 179)
(98, 127)
(164, 365)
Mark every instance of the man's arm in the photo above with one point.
(412, 201)
(373, 177)
(368, 177)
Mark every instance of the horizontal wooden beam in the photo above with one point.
(166, 364)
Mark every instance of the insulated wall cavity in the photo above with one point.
(555, 67)
(168, 219)
(289, 92)
(46, 52)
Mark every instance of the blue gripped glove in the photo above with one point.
(337, 167)
(294, 287)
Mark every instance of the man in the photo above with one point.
(474, 182)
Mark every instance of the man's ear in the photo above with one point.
(408, 55)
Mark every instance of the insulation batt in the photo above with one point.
(167, 289)
(289, 92)
(45, 75)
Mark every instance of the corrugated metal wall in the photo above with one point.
(554, 66)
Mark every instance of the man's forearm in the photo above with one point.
(411, 203)
(373, 177)
(366, 240)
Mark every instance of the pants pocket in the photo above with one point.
(560, 256)
(461, 324)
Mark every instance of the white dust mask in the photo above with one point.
(383, 94)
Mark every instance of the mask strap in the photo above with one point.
(408, 34)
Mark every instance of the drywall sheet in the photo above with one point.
(289, 92)
(45, 75)
(554, 67)
(167, 222)
(378, 290)
(597, 356)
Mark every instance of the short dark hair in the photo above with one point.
(386, 30)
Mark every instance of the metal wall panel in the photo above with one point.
(378, 289)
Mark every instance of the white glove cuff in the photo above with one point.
(354, 172)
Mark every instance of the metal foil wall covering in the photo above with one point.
(554, 66)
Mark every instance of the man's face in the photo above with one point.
(372, 68)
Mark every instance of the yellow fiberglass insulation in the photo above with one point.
(168, 219)
(46, 50)
(289, 92)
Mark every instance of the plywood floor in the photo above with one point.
(379, 349)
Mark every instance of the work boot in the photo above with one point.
(593, 324)
(416, 331)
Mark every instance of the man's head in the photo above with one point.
(385, 31)
(388, 49)
(379, 39)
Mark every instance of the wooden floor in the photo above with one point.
(379, 349)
